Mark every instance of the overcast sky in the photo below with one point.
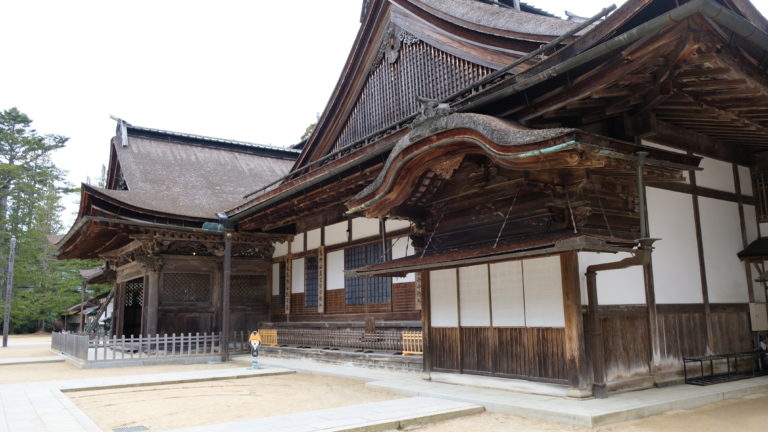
(257, 71)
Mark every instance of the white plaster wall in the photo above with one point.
(334, 270)
(396, 224)
(297, 276)
(614, 287)
(401, 248)
(276, 279)
(750, 221)
(715, 174)
(721, 237)
(745, 180)
(543, 292)
(281, 248)
(473, 296)
(507, 297)
(364, 227)
(336, 233)
(443, 301)
(676, 275)
(297, 245)
(313, 239)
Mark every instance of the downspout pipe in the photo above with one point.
(641, 257)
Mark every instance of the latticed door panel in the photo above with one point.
(186, 288)
(134, 293)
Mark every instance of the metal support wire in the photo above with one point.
(498, 236)
(432, 234)
(570, 210)
(605, 218)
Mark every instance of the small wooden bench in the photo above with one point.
(728, 370)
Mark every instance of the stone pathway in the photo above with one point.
(376, 416)
(26, 360)
(581, 412)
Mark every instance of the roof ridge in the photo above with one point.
(212, 139)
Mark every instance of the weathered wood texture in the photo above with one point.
(404, 296)
(626, 342)
(514, 352)
(410, 68)
(683, 330)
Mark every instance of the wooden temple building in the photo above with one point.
(549, 200)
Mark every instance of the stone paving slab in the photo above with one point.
(590, 412)
(42, 407)
(28, 360)
(376, 416)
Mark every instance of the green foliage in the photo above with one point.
(30, 191)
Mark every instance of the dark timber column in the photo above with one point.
(702, 266)
(422, 283)
(575, 355)
(118, 312)
(153, 290)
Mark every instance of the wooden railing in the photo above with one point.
(73, 344)
(407, 342)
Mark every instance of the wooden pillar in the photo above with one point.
(596, 348)
(119, 308)
(575, 354)
(422, 284)
(225, 308)
(151, 301)
(702, 266)
(83, 286)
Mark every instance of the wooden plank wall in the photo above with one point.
(625, 341)
(514, 352)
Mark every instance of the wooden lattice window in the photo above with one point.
(389, 95)
(134, 293)
(310, 281)
(186, 288)
(248, 289)
(365, 290)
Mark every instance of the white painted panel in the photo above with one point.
(396, 224)
(543, 292)
(281, 248)
(442, 298)
(276, 279)
(334, 270)
(297, 276)
(297, 245)
(336, 233)
(763, 226)
(721, 236)
(473, 296)
(364, 227)
(614, 287)
(758, 287)
(676, 276)
(745, 180)
(715, 174)
(507, 300)
(750, 220)
(313, 239)
(401, 247)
